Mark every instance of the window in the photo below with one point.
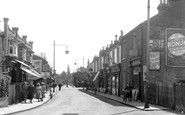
(13, 49)
(24, 54)
(115, 56)
(119, 58)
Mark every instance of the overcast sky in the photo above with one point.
(84, 25)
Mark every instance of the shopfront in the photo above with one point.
(115, 79)
(136, 77)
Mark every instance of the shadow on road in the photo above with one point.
(115, 103)
(104, 99)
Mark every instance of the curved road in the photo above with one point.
(71, 101)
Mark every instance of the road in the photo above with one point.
(71, 101)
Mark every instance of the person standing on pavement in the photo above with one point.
(51, 91)
(59, 86)
(31, 91)
(43, 90)
(24, 91)
(38, 92)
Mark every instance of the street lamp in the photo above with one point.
(79, 59)
(67, 52)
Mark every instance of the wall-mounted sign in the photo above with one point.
(154, 60)
(175, 47)
(156, 45)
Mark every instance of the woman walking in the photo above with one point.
(43, 90)
(38, 92)
(31, 91)
(24, 91)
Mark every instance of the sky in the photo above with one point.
(85, 26)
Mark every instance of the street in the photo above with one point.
(72, 101)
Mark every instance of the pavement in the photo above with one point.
(135, 104)
(16, 108)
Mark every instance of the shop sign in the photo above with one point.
(156, 45)
(175, 47)
(154, 60)
(136, 63)
(136, 70)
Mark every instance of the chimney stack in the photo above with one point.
(163, 6)
(24, 37)
(15, 29)
(31, 44)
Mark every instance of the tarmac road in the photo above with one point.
(71, 101)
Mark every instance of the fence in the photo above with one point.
(168, 96)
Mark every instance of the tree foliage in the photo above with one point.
(80, 76)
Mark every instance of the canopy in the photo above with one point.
(97, 74)
(22, 63)
(31, 72)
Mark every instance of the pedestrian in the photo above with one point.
(24, 91)
(43, 90)
(31, 91)
(38, 92)
(51, 91)
(59, 86)
(129, 88)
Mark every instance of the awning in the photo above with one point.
(22, 63)
(97, 74)
(31, 72)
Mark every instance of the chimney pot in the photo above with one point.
(116, 37)
(121, 32)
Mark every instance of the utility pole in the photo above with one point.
(148, 56)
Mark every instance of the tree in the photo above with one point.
(80, 77)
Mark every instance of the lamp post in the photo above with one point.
(67, 52)
(79, 59)
(148, 56)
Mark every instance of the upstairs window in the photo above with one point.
(13, 50)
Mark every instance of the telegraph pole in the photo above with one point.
(148, 56)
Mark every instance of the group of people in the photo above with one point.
(30, 91)
(127, 93)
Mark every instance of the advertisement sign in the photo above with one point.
(175, 47)
(37, 65)
(154, 60)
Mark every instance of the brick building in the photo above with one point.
(166, 55)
